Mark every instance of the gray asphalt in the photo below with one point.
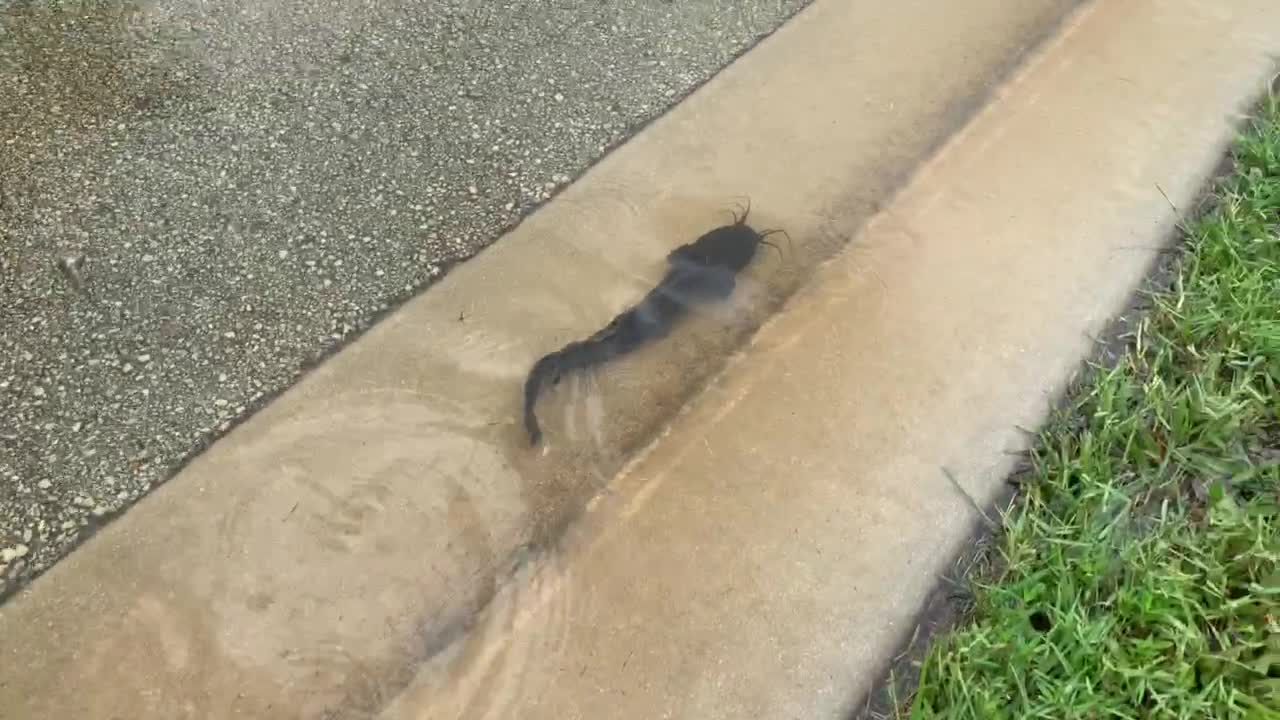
(197, 199)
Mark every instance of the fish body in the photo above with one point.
(699, 272)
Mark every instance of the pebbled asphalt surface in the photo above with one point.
(197, 200)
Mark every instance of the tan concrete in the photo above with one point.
(310, 558)
(769, 548)
(769, 553)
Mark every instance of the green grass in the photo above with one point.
(1138, 572)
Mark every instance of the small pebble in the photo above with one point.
(9, 554)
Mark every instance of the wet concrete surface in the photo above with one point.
(769, 555)
(309, 562)
(197, 199)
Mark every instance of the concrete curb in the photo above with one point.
(770, 554)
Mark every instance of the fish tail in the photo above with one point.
(546, 368)
(574, 356)
(598, 350)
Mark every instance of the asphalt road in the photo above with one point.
(197, 200)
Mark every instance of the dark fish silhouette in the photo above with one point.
(700, 272)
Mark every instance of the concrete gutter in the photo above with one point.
(325, 554)
(769, 555)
